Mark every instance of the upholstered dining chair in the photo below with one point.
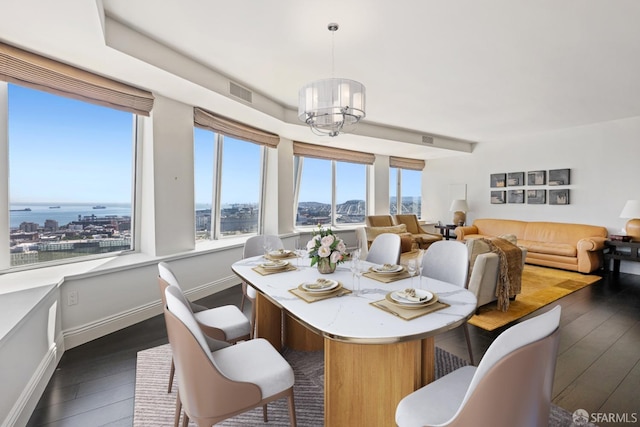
(254, 246)
(385, 249)
(511, 386)
(226, 323)
(448, 260)
(214, 386)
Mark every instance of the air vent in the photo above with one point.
(240, 92)
(427, 139)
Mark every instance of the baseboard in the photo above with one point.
(28, 400)
(90, 331)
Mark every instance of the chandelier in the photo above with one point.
(331, 106)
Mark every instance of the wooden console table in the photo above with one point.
(446, 230)
(618, 250)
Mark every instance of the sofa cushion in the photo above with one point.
(373, 232)
(561, 249)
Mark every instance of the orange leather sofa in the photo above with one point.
(575, 247)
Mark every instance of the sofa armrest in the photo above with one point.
(465, 230)
(591, 244)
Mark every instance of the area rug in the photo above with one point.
(540, 286)
(154, 407)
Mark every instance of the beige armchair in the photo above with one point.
(421, 236)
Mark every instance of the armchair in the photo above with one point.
(421, 236)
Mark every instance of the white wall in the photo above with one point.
(603, 159)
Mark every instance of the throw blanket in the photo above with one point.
(510, 274)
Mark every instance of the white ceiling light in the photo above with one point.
(331, 106)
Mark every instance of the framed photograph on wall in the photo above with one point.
(498, 197)
(536, 178)
(536, 197)
(559, 177)
(515, 196)
(559, 197)
(498, 180)
(515, 179)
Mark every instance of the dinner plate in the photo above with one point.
(320, 286)
(386, 269)
(280, 253)
(275, 265)
(393, 298)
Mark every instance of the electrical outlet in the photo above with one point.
(72, 297)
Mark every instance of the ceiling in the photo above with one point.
(464, 71)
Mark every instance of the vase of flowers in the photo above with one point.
(326, 250)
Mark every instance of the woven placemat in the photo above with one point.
(266, 271)
(313, 297)
(387, 277)
(407, 313)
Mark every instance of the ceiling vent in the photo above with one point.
(240, 92)
(427, 139)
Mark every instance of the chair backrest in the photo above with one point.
(254, 245)
(411, 221)
(167, 274)
(447, 260)
(206, 394)
(379, 221)
(513, 383)
(385, 249)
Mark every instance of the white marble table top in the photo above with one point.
(350, 317)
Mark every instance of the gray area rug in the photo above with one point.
(155, 407)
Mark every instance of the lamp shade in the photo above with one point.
(631, 209)
(459, 205)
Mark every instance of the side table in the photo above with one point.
(618, 250)
(446, 230)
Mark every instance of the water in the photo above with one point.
(65, 213)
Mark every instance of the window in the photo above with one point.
(228, 182)
(71, 169)
(330, 185)
(405, 186)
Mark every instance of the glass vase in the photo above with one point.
(325, 266)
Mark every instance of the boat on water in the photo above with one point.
(99, 207)
(20, 210)
(54, 207)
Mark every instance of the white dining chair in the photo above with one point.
(448, 261)
(385, 249)
(511, 386)
(254, 246)
(226, 323)
(214, 386)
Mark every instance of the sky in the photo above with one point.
(62, 150)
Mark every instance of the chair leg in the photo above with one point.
(242, 303)
(264, 413)
(292, 411)
(253, 319)
(171, 374)
(178, 410)
(465, 326)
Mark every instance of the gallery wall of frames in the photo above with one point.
(533, 187)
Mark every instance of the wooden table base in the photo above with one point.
(363, 383)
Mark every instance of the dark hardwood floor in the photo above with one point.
(598, 367)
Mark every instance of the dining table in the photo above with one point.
(376, 349)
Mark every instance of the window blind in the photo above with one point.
(208, 120)
(37, 72)
(329, 153)
(405, 163)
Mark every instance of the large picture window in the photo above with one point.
(405, 186)
(228, 182)
(71, 169)
(330, 185)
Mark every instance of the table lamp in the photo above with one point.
(459, 208)
(632, 210)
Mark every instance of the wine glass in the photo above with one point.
(419, 267)
(300, 250)
(355, 270)
(412, 268)
(266, 246)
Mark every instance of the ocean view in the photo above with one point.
(64, 213)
